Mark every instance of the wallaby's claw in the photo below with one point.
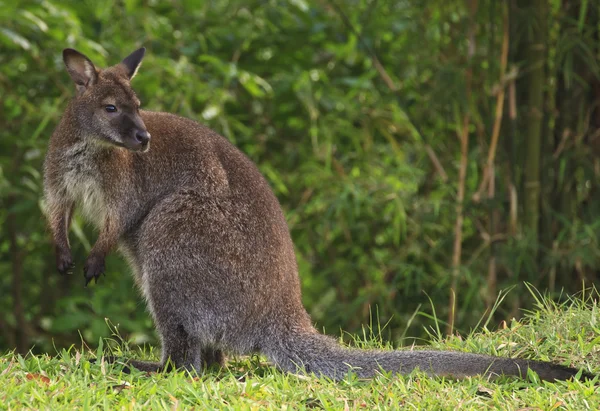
(64, 263)
(66, 269)
(94, 268)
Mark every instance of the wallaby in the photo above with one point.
(205, 237)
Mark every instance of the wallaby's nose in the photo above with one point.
(142, 136)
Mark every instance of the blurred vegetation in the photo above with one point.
(416, 147)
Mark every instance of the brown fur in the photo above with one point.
(204, 235)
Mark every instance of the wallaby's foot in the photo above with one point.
(147, 366)
(93, 269)
(210, 358)
(213, 358)
(151, 366)
(64, 261)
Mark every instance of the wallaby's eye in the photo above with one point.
(110, 108)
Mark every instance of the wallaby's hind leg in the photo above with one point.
(179, 348)
(148, 366)
(211, 357)
(179, 351)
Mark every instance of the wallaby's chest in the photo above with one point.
(83, 182)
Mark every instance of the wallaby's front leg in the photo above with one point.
(60, 219)
(109, 235)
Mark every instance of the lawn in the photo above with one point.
(567, 333)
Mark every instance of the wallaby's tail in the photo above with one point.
(322, 355)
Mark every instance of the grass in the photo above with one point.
(567, 333)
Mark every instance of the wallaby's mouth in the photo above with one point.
(133, 146)
(141, 147)
(145, 147)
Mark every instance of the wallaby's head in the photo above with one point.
(106, 106)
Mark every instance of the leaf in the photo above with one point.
(481, 390)
(583, 8)
(38, 377)
(8, 368)
(36, 20)
(211, 111)
(15, 38)
(78, 230)
(255, 85)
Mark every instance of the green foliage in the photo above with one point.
(297, 90)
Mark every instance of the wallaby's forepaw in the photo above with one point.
(93, 269)
(64, 262)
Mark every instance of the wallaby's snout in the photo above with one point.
(143, 137)
(140, 141)
(132, 133)
(136, 139)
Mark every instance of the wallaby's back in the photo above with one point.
(205, 236)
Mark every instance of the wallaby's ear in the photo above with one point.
(132, 62)
(80, 68)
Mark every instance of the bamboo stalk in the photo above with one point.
(514, 200)
(536, 56)
(488, 170)
(492, 278)
(462, 172)
(460, 197)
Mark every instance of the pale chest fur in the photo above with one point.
(82, 182)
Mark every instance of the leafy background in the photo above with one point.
(416, 148)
